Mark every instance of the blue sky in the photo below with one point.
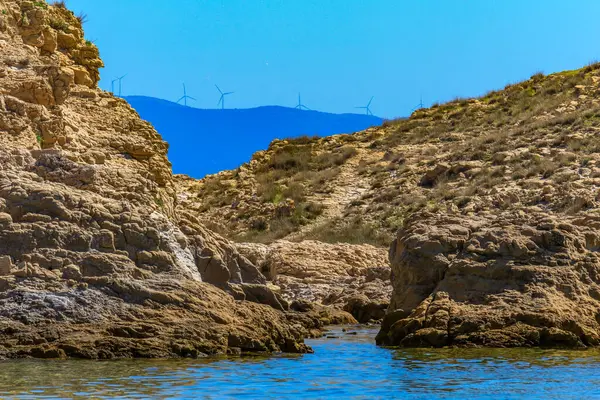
(337, 53)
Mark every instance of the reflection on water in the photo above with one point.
(347, 366)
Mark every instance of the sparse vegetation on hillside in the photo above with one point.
(534, 143)
(82, 18)
(283, 185)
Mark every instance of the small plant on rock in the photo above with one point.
(82, 18)
(59, 24)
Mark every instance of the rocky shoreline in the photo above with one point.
(350, 278)
(98, 257)
(105, 254)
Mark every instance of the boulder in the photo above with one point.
(435, 174)
(501, 280)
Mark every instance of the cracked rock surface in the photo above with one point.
(499, 280)
(352, 278)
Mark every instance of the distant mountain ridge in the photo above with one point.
(206, 141)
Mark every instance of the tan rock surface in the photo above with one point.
(495, 280)
(353, 278)
(97, 259)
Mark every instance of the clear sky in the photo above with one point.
(337, 53)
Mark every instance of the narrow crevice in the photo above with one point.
(450, 339)
(433, 297)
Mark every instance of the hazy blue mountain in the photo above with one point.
(208, 141)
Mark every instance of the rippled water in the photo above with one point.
(346, 366)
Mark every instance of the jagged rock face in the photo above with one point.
(500, 279)
(95, 259)
(353, 278)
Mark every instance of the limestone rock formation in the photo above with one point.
(96, 258)
(498, 279)
(353, 278)
(490, 204)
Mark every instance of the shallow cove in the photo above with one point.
(347, 365)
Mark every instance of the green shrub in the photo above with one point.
(335, 158)
(289, 158)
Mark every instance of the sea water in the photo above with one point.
(346, 364)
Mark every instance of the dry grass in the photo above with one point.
(537, 133)
(283, 181)
(353, 230)
(82, 18)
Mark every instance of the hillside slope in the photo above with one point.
(208, 141)
(491, 206)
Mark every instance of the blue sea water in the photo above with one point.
(346, 365)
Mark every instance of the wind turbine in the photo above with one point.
(366, 108)
(185, 97)
(419, 106)
(120, 79)
(222, 98)
(112, 85)
(301, 106)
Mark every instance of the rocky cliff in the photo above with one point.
(97, 260)
(498, 279)
(491, 206)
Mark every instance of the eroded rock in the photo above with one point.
(502, 280)
(352, 278)
(95, 259)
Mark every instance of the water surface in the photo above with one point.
(344, 366)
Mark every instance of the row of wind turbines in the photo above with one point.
(221, 102)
